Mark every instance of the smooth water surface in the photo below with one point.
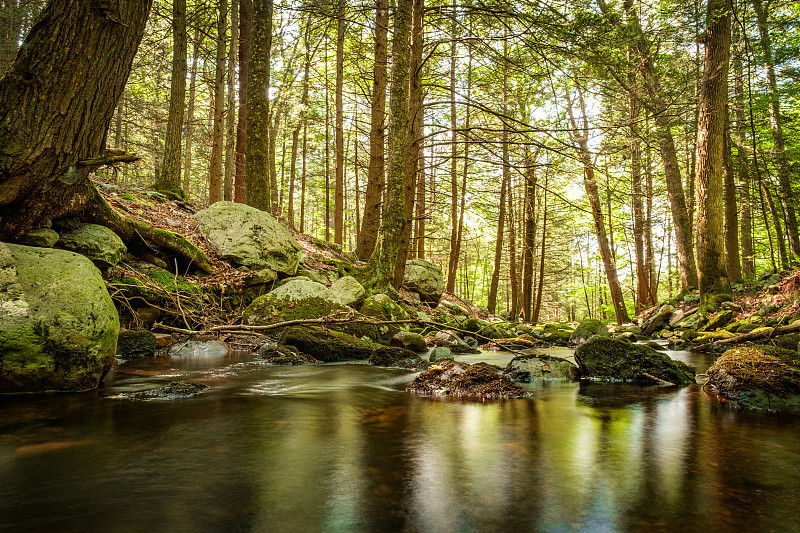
(343, 448)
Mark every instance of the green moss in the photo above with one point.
(174, 283)
(760, 377)
(327, 345)
(616, 360)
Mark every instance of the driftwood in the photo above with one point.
(753, 335)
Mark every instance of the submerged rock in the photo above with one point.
(526, 368)
(479, 381)
(174, 390)
(397, 357)
(619, 360)
(758, 377)
(58, 325)
(327, 345)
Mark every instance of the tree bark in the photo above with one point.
(498, 247)
(245, 33)
(743, 171)
(373, 196)
(258, 118)
(732, 261)
(230, 118)
(215, 166)
(171, 169)
(58, 101)
(338, 207)
(712, 274)
(187, 162)
(776, 122)
(382, 263)
(530, 236)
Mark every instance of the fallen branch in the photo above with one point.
(753, 335)
(323, 321)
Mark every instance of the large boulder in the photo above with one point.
(250, 237)
(410, 341)
(394, 356)
(347, 290)
(758, 377)
(479, 381)
(98, 243)
(526, 368)
(618, 360)
(424, 278)
(58, 325)
(382, 307)
(327, 345)
(586, 330)
(655, 322)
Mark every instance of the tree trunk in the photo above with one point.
(370, 223)
(10, 30)
(581, 135)
(245, 33)
(300, 125)
(187, 162)
(733, 264)
(258, 123)
(712, 275)
(781, 160)
(171, 169)
(538, 306)
(58, 102)
(743, 171)
(421, 214)
(413, 136)
(215, 166)
(530, 237)
(455, 251)
(498, 247)
(338, 208)
(230, 118)
(381, 264)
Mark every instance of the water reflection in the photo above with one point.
(344, 448)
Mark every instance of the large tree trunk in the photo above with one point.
(381, 264)
(712, 274)
(743, 171)
(171, 170)
(257, 176)
(414, 135)
(215, 167)
(781, 160)
(529, 238)
(455, 249)
(58, 100)
(370, 223)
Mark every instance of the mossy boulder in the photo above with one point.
(98, 243)
(588, 328)
(694, 321)
(382, 307)
(452, 340)
(558, 334)
(247, 236)
(41, 237)
(618, 360)
(347, 290)
(133, 344)
(394, 356)
(473, 325)
(758, 377)
(527, 368)
(410, 341)
(327, 345)
(789, 341)
(479, 381)
(657, 320)
(58, 325)
(425, 279)
(440, 353)
(492, 331)
(284, 355)
(719, 320)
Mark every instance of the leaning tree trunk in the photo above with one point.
(58, 99)
(711, 268)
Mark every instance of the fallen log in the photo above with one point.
(753, 335)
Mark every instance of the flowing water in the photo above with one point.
(343, 448)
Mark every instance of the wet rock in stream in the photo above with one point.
(478, 381)
(174, 390)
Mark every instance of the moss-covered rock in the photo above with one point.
(789, 341)
(480, 381)
(41, 237)
(174, 390)
(657, 320)
(527, 368)
(588, 328)
(617, 360)
(132, 344)
(493, 331)
(58, 325)
(284, 355)
(394, 356)
(440, 353)
(410, 341)
(327, 345)
(248, 236)
(425, 279)
(758, 377)
(719, 320)
(347, 290)
(383, 307)
(98, 243)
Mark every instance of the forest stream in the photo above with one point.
(343, 447)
